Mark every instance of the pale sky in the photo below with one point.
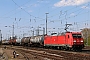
(25, 14)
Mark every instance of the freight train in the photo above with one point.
(66, 41)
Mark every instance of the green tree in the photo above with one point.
(86, 35)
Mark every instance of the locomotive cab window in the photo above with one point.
(77, 35)
(68, 36)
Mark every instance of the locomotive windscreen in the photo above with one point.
(77, 35)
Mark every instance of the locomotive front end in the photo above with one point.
(78, 41)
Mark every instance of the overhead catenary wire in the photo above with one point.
(26, 11)
(64, 18)
(61, 18)
(48, 17)
(17, 5)
(15, 8)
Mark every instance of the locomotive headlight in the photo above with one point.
(74, 41)
(81, 40)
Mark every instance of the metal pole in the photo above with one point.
(43, 31)
(87, 37)
(0, 37)
(13, 31)
(46, 22)
(33, 32)
(38, 30)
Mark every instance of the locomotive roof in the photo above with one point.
(63, 33)
(74, 32)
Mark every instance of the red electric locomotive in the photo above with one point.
(68, 40)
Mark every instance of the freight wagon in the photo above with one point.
(25, 41)
(5, 42)
(33, 40)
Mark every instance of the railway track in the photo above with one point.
(27, 58)
(38, 54)
(69, 54)
(49, 54)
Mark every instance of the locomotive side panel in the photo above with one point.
(69, 40)
(61, 40)
(47, 40)
(54, 40)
